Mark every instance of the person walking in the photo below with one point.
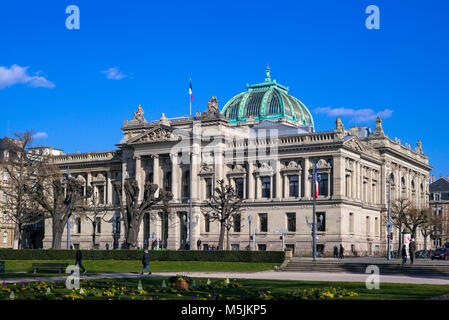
(342, 250)
(146, 261)
(404, 255)
(411, 250)
(79, 260)
(335, 252)
(198, 244)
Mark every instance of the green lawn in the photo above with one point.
(124, 289)
(121, 266)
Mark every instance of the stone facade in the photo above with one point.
(269, 163)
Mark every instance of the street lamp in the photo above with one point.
(314, 179)
(250, 218)
(389, 220)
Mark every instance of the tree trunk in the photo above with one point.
(94, 225)
(227, 239)
(57, 230)
(425, 243)
(221, 238)
(132, 236)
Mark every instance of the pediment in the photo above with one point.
(156, 134)
(355, 144)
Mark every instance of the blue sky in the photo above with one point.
(76, 87)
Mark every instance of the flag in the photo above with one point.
(315, 182)
(190, 90)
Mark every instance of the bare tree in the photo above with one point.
(95, 213)
(399, 209)
(223, 206)
(133, 210)
(18, 167)
(57, 197)
(431, 226)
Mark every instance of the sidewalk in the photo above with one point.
(268, 275)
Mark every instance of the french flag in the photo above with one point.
(190, 90)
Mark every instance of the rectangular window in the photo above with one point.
(78, 224)
(237, 223)
(321, 221)
(207, 223)
(323, 181)
(266, 187)
(263, 222)
(98, 223)
(239, 187)
(291, 221)
(235, 246)
(5, 177)
(262, 247)
(209, 188)
(293, 186)
(100, 195)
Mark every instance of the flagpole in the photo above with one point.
(314, 212)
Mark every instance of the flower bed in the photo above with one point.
(196, 289)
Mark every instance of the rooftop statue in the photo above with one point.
(138, 116)
(212, 111)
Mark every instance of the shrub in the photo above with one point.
(169, 255)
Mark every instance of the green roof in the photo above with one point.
(267, 101)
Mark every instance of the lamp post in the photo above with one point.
(250, 218)
(314, 179)
(389, 220)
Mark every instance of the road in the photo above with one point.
(269, 275)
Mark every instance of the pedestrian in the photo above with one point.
(404, 255)
(107, 246)
(198, 244)
(79, 260)
(335, 251)
(411, 250)
(342, 250)
(146, 261)
(187, 245)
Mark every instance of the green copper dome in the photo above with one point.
(267, 101)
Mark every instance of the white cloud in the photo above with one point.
(357, 115)
(17, 74)
(40, 135)
(114, 73)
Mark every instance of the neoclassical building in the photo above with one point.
(262, 142)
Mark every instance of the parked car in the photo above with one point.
(440, 254)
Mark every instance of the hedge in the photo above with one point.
(166, 255)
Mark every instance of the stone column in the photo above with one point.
(138, 176)
(299, 185)
(88, 182)
(174, 176)
(338, 177)
(258, 187)
(306, 182)
(194, 176)
(353, 182)
(286, 193)
(109, 188)
(250, 181)
(278, 180)
(156, 173)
